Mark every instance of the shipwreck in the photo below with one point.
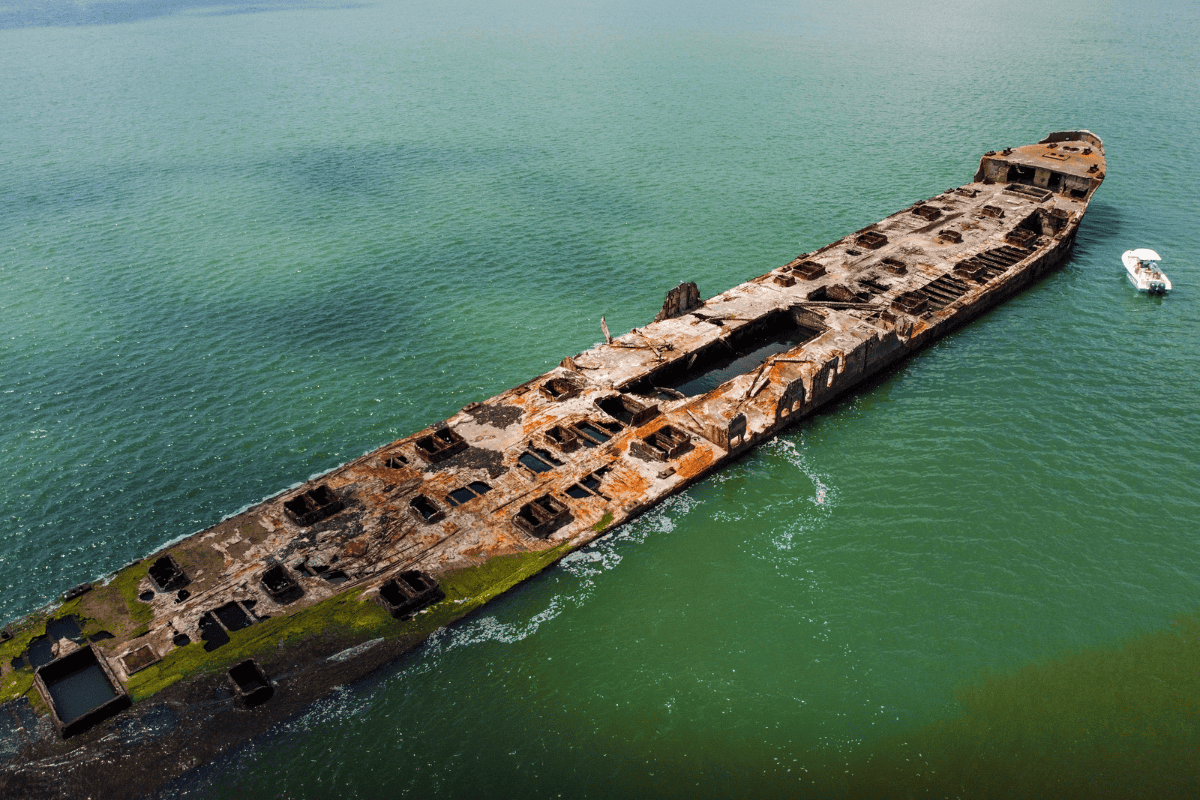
(126, 684)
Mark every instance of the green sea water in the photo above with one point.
(242, 243)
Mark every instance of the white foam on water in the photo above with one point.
(823, 494)
(822, 501)
(339, 706)
(583, 566)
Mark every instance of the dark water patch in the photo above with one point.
(731, 356)
(148, 725)
(82, 691)
(723, 369)
(1104, 722)
(78, 693)
(69, 14)
(41, 651)
(64, 628)
(212, 633)
(232, 617)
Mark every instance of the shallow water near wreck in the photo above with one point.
(244, 243)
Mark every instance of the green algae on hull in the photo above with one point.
(352, 617)
(604, 523)
(106, 608)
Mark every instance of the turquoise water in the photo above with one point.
(243, 243)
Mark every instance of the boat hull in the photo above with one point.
(1148, 279)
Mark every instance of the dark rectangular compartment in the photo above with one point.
(664, 444)
(542, 516)
(280, 585)
(589, 434)
(439, 445)
(232, 617)
(560, 388)
(872, 240)
(426, 509)
(408, 593)
(1021, 238)
(81, 691)
(168, 575)
(736, 354)
(312, 506)
(251, 683)
(808, 270)
(626, 410)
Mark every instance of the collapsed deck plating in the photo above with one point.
(543, 468)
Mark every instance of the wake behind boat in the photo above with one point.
(1142, 266)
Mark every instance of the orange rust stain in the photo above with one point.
(626, 483)
(651, 426)
(535, 422)
(694, 462)
(474, 553)
(441, 481)
(356, 548)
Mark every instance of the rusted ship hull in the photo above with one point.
(223, 634)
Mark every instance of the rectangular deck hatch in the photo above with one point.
(538, 460)
(466, 493)
(408, 593)
(440, 445)
(872, 240)
(313, 505)
(81, 690)
(426, 509)
(251, 683)
(626, 410)
(738, 353)
(280, 585)
(561, 388)
(590, 435)
(542, 516)
(808, 270)
(565, 439)
(664, 444)
(168, 575)
(588, 486)
(233, 617)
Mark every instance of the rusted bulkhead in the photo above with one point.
(551, 464)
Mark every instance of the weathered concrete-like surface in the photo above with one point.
(507, 486)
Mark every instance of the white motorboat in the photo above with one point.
(1142, 266)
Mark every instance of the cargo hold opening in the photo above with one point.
(739, 353)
